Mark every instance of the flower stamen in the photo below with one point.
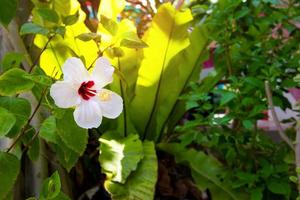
(84, 90)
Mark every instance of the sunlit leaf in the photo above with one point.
(166, 37)
(48, 14)
(51, 187)
(111, 9)
(11, 60)
(120, 156)
(140, 185)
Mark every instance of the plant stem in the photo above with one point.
(23, 130)
(274, 116)
(38, 57)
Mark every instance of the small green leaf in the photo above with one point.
(89, 36)
(13, 82)
(48, 14)
(31, 28)
(7, 121)
(294, 179)
(110, 25)
(248, 124)
(278, 187)
(131, 40)
(33, 146)
(51, 187)
(8, 10)
(9, 170)
(12, 60)
(226, 96)
(257, 194)
(70, 19)
(48, 130)
(21, 109)
(61, 30)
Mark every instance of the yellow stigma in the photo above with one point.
(104, 96)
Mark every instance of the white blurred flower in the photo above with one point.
(214, 1)
(85, 92)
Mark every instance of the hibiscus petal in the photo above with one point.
(102, 73)
(88, 114)
(64, 94)
(111, 104)
(74, 70)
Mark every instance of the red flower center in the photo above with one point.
(84, 90)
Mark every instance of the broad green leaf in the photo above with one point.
(120, 156)
(48, 130)
(7, 121)
(166, 37)
(131, 40)
(9, 170)
(31, 28)
(111, 9)
(257, 194)
(71, 134)
(51, 187)
(11, 60)
(61, 48)
(39, 79)
(48, 14)
(206, 171)
(12, 82)
(65, 155)
(20, 108)
(8, 10)
(140, 184)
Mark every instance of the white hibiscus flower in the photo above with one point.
(85, 92)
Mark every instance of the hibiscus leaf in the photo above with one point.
(8, 10)
(21, 109)
(141, 183)
(7, 121)
(71, 134)
(51, 187)
(9, 170)
(119, 156)
(12, 82)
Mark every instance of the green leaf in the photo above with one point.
(111, 9)
(8, 10)
(206, 171)
(277, 186)
(257, 194)
(9, 170)
(248, 124)
(61, 196)
(34, 146)
(13, 82)
(51, 187)
(48, 14)
(71, 134)
(66, 156)
(39, 79)
(31, 28)
(226, 96)
(21, 109)
(120, 156)
(12, 60)
(110, 25)
(166, 38)
(131, 40)
(141, 183)
(7, 121)
(48, 130)
(70, 19)
(89, 36)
